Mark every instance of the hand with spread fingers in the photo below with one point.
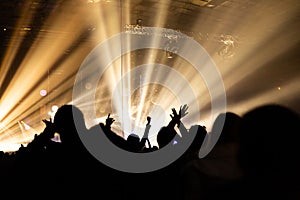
(182, 112)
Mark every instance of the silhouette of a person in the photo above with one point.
(269, 152)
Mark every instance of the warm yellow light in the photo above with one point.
(9, 147)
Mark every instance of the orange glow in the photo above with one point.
(261, 34)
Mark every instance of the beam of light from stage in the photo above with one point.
(262, 38)
(153, 100)
(276, 95)
(99, 60)
(14, 44)
(21, 95)
(160, 20)
(9, 140)
(27, 132)
(10, 55)
(136, 26)
(255, 29)
(263, 50)
(265, 42)
(126, 105)
(13, 142)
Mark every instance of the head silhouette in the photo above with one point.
(165, 136)
(270, 136)
(133, 142)
(230, 130)
(200, 133)
(69, 121)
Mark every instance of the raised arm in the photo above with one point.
(108, 122)
(182, 129)
(176, 117)
(111, 135)
(168, 133)
(43, 138)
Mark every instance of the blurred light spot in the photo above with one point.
(54, 108)
(27, 127)
(43, 93)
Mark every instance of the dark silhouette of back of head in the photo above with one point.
(167, 133)
(69, 122)
(217, 175)
(133, 143)
(230, 130)
(269, 152)
(165, 136)
(200, 132)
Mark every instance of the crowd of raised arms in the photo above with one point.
(255, 156)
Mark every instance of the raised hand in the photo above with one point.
(50, 128)
(182, 112)
(109, 120)
(48, 122)
(148, 120)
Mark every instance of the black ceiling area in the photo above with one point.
(253, 44)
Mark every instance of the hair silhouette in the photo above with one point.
(216, 175)
(269, 152)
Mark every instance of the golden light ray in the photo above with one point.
(276, 95)
(14, 44)
(263, 34)
(21, 94)
(160, 20)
